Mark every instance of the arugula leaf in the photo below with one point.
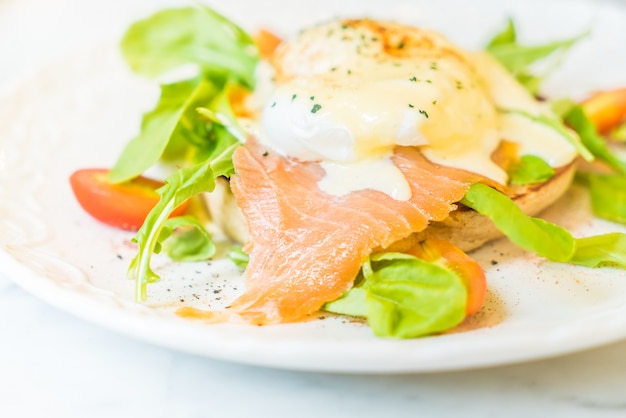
(173, 130)
(178, 128)
(239, 257)
(180, 186)
(562, 106)
(220, 112)
(506, 37)
(193, 243)
(172, 120)
(403, 296)
(530, 169)
(590, 138)
(194, 35)
(531, 81)
(517, 58)
(532, 234)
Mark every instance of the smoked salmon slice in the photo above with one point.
(306, 247)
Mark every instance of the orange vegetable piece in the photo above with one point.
(606, 109)
(267, 42)
(124, 205)
(448, 255)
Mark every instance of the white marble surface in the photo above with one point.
(55, 365)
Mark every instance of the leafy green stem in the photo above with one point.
(143, 257)
(180, 186)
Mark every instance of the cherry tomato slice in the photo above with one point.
(124, 205)
(473, 276)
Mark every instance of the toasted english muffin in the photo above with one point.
(464, 227)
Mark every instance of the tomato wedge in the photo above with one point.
(267, 42)
(606, 109)
(451, 257)
(124, 205)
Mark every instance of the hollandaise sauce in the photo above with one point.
(347, 93)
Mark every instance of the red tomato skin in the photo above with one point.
(124, 205)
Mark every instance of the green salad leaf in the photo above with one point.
(221, 113)
(192, 124)
(400, 295)
(532, 234)
(187, 239)
(601, 250)
(180, 186)
(403, 296)
(517, 58)
(173, 130)
(608, 195)
(597, 145)
(238, 257)
(530, 169)
(194, 35)
(172, 121)
(507, 36)
(557, 125)
(544, 238)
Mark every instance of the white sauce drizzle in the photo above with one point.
(377, 174)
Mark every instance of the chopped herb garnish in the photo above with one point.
(266, 153)
(312, 98)
(316, 108)
(274, 104)
(459, 85)
(411, 106)
(434, 102)
(414, 79)
(429, 81)
(423, 112)
(349, 72)
(293, 97)
(400, 44)
(333, 69)
(433, 65)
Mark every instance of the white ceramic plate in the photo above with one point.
(80, 112)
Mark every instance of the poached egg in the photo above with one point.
(346, 93)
